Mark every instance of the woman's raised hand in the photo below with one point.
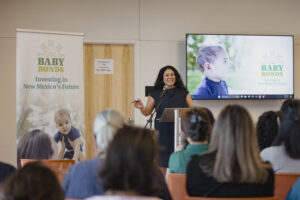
(137, 103)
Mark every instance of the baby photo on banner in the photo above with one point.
(50, 95)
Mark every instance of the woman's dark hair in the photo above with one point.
(210, 116)
(34, 181)
(289, 128)
(267, 129)
(196, 124)
(131, 162)
(34, 145)
(159, 83)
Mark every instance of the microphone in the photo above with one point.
(163, 91)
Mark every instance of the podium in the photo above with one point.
(174, 115)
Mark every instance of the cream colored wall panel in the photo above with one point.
(8, 130)
(171, 19)
(98, 19)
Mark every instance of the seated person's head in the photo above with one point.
(63, 121)
(235, 142)
(196, 125)
(267, 129)
(289, 128)
(5, 171)
(106, 124)
(34, 145)
(213, 62)
(210, 116)
(131, 163)
(33, 181)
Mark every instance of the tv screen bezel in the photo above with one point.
(243, 96)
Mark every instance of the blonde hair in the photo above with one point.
(61, 112)
(235, 142)
(106, 124)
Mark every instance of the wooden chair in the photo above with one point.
(236, 198)
(177, 185)
(60, 167)
(283, 184)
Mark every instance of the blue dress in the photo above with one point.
(173, 98)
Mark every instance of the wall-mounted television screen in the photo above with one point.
(240, 66)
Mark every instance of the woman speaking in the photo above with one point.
(169, 92)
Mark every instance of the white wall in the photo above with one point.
(158, 27)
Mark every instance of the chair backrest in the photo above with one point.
(233, 198)
(283, 184)
(72, 199)
(177, 185)
(60, 167)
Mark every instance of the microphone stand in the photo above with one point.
(150, 120)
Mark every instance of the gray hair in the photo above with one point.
(106, 124)
(208, 54)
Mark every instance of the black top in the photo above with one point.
(173, 98)
(202, 184)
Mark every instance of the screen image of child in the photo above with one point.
(68, 136)
(213, 63)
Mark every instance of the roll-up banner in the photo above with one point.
(50, 92)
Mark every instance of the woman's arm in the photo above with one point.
(189, 101)
(145, 110)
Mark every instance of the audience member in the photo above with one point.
(34, 181)
(210, 116)
(294, 193)
(232, 167)
(5, 171)
(267, 129)
(81, 181)
(34, 145)
(130, 169)
(284, 154)
(183, 140)
(196, 128)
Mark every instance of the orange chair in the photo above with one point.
(73, 199)
(60, 167)
(177, 185)
(234, 198)
(283, 184)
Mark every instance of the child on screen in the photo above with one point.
(69, 137)
(213, 63)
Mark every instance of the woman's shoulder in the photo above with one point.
(155, 93)
(85, 166)
(207, 159)
(269, 152)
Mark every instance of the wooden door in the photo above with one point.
(104, 91)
